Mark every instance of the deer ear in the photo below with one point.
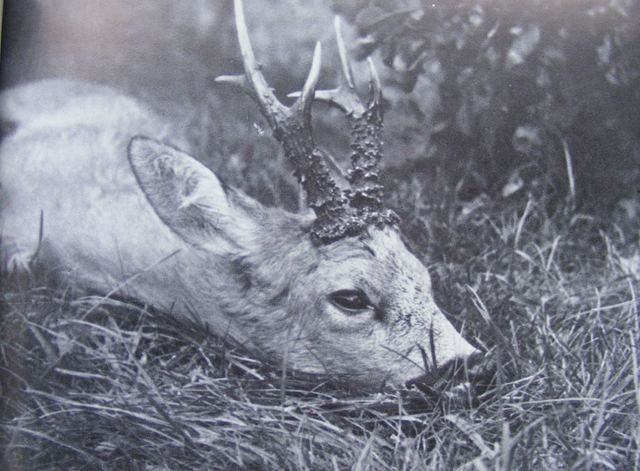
(187, 196)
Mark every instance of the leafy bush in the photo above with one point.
(542, 95)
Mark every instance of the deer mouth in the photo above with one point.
(466, 379)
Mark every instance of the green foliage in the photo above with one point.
(517, 82)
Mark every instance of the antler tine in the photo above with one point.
(344, 96)
(375, 86)
(253, 82)
(347, 73)
(238, 80)
(305, 100)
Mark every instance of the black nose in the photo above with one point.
(462, 368)
(473, 361)
(481, 371)
(478, 369)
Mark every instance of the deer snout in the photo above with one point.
(468, 364)
(481, 372)
(466, 369)
(469, 373)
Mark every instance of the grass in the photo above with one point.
(97, 383)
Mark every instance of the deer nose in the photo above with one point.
(481, 371)
(475, 368)
(478, 368)
(473, 360)
(462, 368)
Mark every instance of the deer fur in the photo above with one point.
(124, 211)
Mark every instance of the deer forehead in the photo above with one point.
(379, 263)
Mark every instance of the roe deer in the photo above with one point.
(93, 183)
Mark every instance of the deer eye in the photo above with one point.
(350, 300)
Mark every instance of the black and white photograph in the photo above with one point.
(320, 235)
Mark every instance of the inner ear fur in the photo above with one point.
(188, 197)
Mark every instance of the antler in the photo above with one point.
(292, 128)
(367, 194)
(338, 214)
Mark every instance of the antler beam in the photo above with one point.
(367, 194)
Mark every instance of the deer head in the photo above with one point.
(334, 290)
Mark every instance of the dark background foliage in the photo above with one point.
(517, 82)
(483, 96)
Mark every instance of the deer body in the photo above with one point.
(67, 159)
(97, 186)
